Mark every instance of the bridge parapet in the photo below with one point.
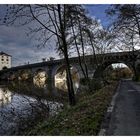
(108, 58)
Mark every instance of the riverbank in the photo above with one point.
(83, 119)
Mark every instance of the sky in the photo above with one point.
(14, 41)
(98, 11)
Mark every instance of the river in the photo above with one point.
(20, 110)
(23, 104)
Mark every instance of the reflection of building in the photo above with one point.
(5, 96)
(5, 61)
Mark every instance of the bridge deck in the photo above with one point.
(74, 59)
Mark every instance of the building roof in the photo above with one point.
(3, 53)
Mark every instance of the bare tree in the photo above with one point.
(126, 16)
(48, 21)
(126, 25)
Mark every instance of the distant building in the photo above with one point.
(5, 60)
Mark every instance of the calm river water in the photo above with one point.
(19, 111)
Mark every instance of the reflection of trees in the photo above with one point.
(28, 106)
(29, 89)
(5, 96)
(22, 113)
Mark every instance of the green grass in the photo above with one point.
(82, 119)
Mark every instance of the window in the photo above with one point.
(2, 59)
(7, 59)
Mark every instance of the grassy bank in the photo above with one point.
(83, 119)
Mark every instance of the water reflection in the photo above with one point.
(5, 96)
(22, 108)
(61, 81)
(40, 79)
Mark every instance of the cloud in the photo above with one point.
(15, 42)
(13, 34)
(98, 11)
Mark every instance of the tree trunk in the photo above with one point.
(82, 44)
(79, 58)
(69, 80)
(94, 54)
(65, 52)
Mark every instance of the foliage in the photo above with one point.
(126, 24)
(49, 21)
(93, 84)
(82, 119)
(38, 93)
(96, 84)
(117, 73)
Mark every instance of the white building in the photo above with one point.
(5, 61)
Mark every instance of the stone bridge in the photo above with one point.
(131, 59)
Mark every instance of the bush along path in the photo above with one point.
(84, 118)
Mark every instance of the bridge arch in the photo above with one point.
(100, 69)
(11, 75)
(24, 74)
(60, 81)
(40, 77)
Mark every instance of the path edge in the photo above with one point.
(107, 118)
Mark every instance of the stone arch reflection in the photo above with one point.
(40, 78)
(61, 80)
(5, 96)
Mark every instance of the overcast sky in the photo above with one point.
(13, 40)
